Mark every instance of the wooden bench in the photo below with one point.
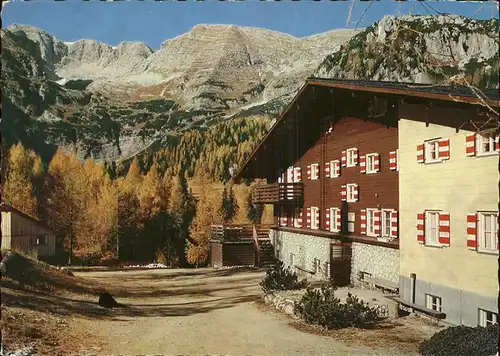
(434, 313)
(381, 283)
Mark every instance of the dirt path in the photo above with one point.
(200, 312)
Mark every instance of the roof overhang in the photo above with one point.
(452, 94)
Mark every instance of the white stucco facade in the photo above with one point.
(459, 186)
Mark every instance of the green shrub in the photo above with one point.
(462, 341)
(279, 277)
(321, 307)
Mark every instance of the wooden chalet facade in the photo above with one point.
(344, 165)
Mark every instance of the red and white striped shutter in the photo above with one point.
(327, 219)
(394, 224)
(317, 218)
(338, 218)
(298, 174)
(497, 143)
(300, 218)
(363, 221)
(355, 156)
(356, 192)
(420, 153)
(470, 145)
(337, 168)
(289, 175)
(328, 166)
(309, 172)
(472, 231)
(308, 218)
(444, 148)
(377, 222)
(377, 162)
(344, 192)
(393, 161)
(444, 228)
(316, 167)
(420, 228)
(344, 158)
(362, 164)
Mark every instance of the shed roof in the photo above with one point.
(8, 208)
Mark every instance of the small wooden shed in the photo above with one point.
(24, 233)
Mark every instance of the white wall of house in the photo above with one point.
(459, 185)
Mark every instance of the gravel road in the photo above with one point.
(201, 312)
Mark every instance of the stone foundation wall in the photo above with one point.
(305, 248)
(381, 262)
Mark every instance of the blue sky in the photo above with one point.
(154, 22)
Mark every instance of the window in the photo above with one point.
(432, 228)
(327, 269)
(485, 144)
(351, 219)
(370, 222)
(314, 218)
(316, 265)
(334, 219)
(40, 240)
(352, 193)
(488, 231)
(370, 163)
(386, 223)
(487, 318)
(297, 219)
(297, 175)
(334, 169)
(351, 157)
(433, 302)
(432, 151)
(314, 171)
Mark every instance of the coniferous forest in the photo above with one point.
(139, 211)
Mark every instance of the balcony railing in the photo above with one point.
(278, 193)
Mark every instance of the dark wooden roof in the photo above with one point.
(8, 208)
(298, 126)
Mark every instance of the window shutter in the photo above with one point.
(394, 224)
(344, 158)
(444, 148)
(338, 218)
(377, 162)
(289, 177)
(393, 161)
(377, 222)
(363, 221)
(285, 220)
(344, 193)
(316, 167)
(355, 156)
(362, 164)
(298, 174)
(420, 227)
(470, 145)
(497, 143)
(356, 192)
(300, 218)
(444, 228)
(308, 218)
(337, 168)
(420, 153)
(317, 218)
(328, 166)
(309, 172)
(327, 219)
(472, 231)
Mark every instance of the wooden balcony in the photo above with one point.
(278, 193)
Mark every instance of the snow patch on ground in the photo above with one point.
(149, 266)
(26, 351)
